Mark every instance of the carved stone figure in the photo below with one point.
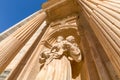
(57, 60)
(73, 49)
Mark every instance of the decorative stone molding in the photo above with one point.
(95, 24)
(32, 67)
(59, 9)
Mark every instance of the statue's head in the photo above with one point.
(70, 39)
(60, 38)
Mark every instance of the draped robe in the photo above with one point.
(59, 68)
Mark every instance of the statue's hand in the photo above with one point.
(70, 58)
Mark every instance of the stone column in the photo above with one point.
(104, 18)
(13, 43)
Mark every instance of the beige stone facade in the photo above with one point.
(95, 24)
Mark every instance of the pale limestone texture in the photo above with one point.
(95, 24)
(57, 60)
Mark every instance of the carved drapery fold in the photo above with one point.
(12, 44)
(104, 18)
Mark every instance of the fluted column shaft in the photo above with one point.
(12, 44)
(104, 18)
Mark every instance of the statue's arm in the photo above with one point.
(58, 50)
(58, 54)
(43, 56)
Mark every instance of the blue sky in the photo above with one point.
(13, 11)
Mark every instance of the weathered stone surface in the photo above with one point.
(95, 24)
(16, 41)
(58, 9)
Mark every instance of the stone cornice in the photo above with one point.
(58, 9)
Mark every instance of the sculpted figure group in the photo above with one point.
(56, 60)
